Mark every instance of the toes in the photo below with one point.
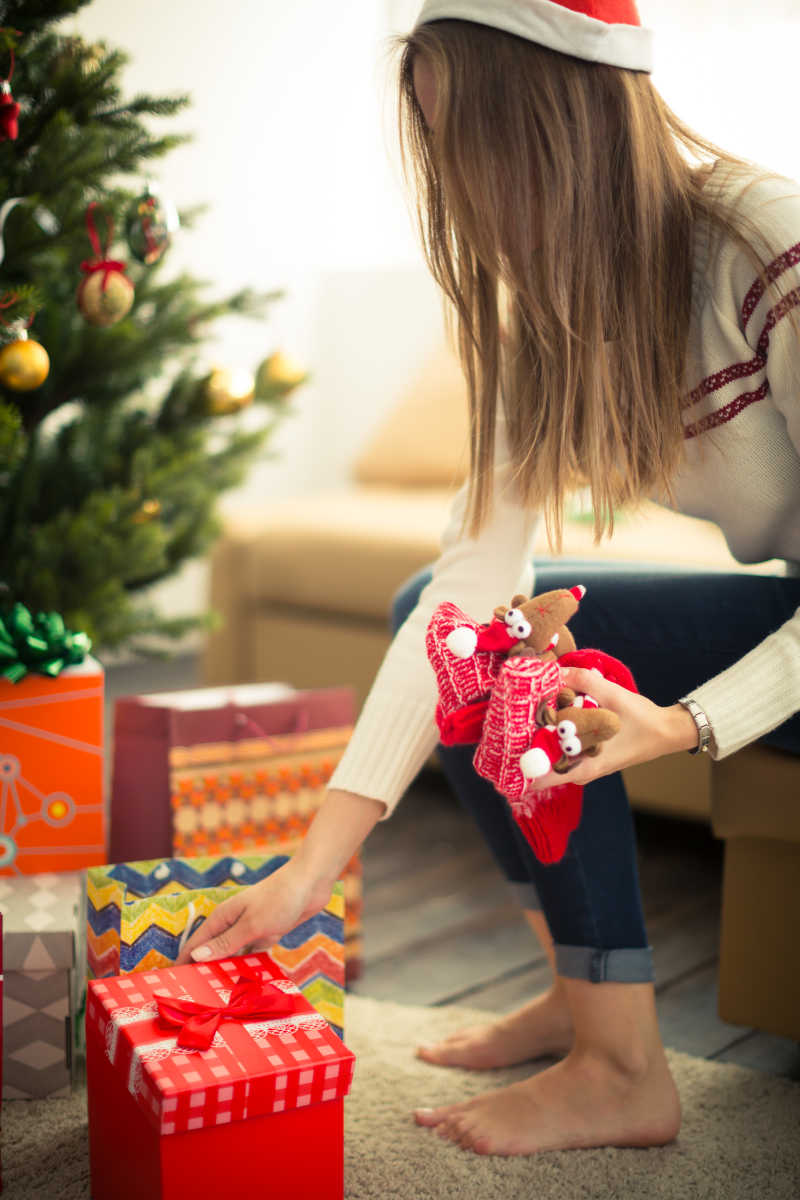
(430, 1053)
(432, 1116)
(442, 1053)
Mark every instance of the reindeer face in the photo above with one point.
(581, 731)
(545, 616)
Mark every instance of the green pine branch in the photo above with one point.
(109, 475)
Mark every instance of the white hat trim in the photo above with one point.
(552, 25)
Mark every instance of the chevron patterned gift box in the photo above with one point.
(140, 914)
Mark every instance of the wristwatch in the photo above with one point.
(701, 721)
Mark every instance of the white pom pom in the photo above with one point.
(237, 869)
(534, 763)
(461, 642)
(161, 871)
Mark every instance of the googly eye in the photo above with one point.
(571, 747)
(513, 615)
(521, 628)
(566, 729)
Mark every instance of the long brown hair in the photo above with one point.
(557, 203)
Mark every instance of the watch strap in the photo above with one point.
(701, 721)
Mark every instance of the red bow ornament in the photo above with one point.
(251, 997)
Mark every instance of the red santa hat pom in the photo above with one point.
(603, 31)
(462, 641)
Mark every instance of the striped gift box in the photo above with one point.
(140, 914)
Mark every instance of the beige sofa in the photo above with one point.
(304, 589)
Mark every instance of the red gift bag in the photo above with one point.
(159, 734)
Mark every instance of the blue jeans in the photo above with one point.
(673, 630)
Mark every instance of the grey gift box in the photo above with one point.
(43, 982)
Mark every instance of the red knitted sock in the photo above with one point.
(548, 818)
(464, 677)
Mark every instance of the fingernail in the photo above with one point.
(201, 953)
(423, 1112)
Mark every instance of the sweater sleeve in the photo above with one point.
(762, 690)
(396, 732)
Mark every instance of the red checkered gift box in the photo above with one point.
(181, 1105)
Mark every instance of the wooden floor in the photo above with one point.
(439, 927)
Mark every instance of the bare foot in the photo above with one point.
(541, 1027)
(582, 1101)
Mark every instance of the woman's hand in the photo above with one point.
(646, 730)
(261, 914)
(258, 915)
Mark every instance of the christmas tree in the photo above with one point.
(110, 461)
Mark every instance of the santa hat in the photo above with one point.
(603, 31)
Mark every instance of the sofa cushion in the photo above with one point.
(423, 442)
(344, 552)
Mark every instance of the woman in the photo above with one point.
(625, 298)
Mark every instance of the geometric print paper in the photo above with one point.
(140, 914)
(51, 771)
(259, 796)
(42, 1000)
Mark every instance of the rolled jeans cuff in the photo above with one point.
(605, 966)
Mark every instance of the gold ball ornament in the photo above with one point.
(105, 297)
(147, 511)
(281, 370)
(229, 390)
(24, 365)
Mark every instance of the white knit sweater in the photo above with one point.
(741, 469)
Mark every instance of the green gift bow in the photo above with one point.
(42, 644)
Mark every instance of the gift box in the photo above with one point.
(214, 771)
(51, 771)
(139, 915)
(1, 1036)
(44, 983)
(257, 1112)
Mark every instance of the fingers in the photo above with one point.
(225, 932)
(586, 680)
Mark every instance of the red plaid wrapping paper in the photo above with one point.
(521, 685)
(252, 1068)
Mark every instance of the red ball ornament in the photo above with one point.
(9, 109)
(9, 114)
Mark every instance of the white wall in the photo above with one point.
(293, 153)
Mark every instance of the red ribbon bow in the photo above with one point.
(199, 1022)
(100, 262)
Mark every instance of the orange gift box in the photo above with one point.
(51, 772)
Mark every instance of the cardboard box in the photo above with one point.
(51, 771)
(260, 1111)
(140, 914)
(43, 985)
